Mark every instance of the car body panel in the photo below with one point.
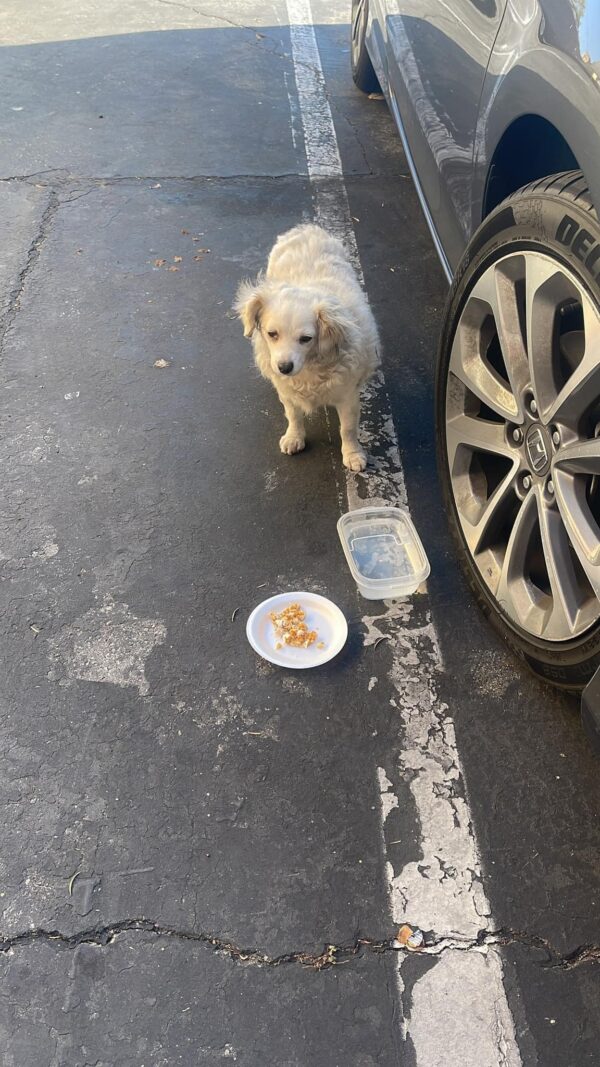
(457, 77)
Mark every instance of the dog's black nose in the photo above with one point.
(286, 368)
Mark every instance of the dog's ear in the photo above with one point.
(333, 325)
(248, 305)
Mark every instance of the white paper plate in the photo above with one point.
(321, 615)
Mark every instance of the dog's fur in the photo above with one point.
(309, 315)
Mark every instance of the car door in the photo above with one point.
(437, 53)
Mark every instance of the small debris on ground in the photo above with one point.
(234, 613)
(410, 938)
(162, 363)
(384, 637)
(177, 259)
(376, 96)
(159, 262)
(71, 882)
(172, 268)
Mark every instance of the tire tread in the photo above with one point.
(570, 184)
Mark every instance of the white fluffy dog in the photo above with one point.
(313, 334)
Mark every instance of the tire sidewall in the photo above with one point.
(570, 234)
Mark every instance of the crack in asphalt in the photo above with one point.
(331, 956)
(33, 254)
(92, 181)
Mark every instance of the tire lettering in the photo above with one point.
(582, 243)
(593, 258)
(567, 228)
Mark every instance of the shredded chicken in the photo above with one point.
(291, 628)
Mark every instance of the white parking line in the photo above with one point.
(459, 1014)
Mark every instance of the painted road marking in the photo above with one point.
(459, 1012)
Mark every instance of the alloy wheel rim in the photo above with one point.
(359, 11)
(523, 442)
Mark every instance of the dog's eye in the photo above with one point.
(304, 339)
(273, 334)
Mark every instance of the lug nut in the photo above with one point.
(533, 407)
(517, 436)
(526, 482)
(551, 487)
(556, 438)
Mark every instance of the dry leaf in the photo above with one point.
(177, 259)
(162, 363)
(185, 231)
(172, 268)
(159, 262)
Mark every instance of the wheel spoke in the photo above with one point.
(582, 457)
(508, 324)
(478, 532)
(562, 616)
(514, 593)
(540, 307)
(480, 435)
(580, 524)
(485, 383)
(583, 386)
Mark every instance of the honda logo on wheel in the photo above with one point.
(537, 450)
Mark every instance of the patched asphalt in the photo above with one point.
(153, 769)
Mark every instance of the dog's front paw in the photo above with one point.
(291, 443)
(356, 460)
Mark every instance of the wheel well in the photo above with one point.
(530, 148)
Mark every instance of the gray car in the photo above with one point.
(498, 106)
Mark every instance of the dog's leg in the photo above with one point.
(294, 437)
(353, 454)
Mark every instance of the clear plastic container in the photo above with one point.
(384, 552)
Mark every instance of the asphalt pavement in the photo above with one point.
(203, 857)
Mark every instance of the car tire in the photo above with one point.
(517, 399)
(363, 71)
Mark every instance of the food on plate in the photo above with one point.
(291, 629)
